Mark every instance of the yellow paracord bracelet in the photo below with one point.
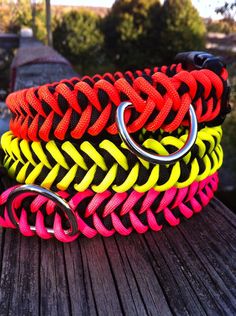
(68, 166)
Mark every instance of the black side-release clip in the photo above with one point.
(200, 60)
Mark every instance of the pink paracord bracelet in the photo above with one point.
(117, 206)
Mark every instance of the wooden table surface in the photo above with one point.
(186, 270)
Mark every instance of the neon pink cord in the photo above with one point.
(91, 221)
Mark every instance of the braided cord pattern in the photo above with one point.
(72, 109)
(102, 166)
(108, 212)
(64, 137)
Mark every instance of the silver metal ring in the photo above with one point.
(153, 158)
(30, 188)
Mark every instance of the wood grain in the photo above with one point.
(186, 270)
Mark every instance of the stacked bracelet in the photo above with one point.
(107, 165)
(81, 177)
(106, 213)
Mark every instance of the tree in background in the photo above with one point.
(40, 17)
(181, 29)
(15, 15)
(228, 11)
(126, 30)
(140, 33)
(134, 34)
(78, 37)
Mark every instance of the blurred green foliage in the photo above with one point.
(181, 29)
(15, 15)
(221, 26)
(134, 33)
(227, 24)
(140, 33)
(40, 29)
(228, 10)
(18, 14)
(128, 32)
(77, 36)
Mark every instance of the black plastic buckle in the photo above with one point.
(200, 60)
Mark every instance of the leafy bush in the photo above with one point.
(40, 27)
(222, 26)
(126, 30)
(78, 37)
(139, 32)
(181, 29)
(16, 15)
(135, 33)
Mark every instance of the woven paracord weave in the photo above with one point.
(64, 137)
(106, 213)
(103, 166)
(76, 108)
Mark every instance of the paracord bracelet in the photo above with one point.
(92, 108)
(72, 109)
(107, 165)
(105, 213)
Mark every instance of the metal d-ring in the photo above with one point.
(30, 188)
(154, 158)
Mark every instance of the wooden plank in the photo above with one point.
(127, 287)
(2, 241)
(54, 298)
(100, 277)
(19, 275)
(186, 270)
(27, 286)
(175, 284)
(211, 292)
(135, 257)
(79, 281)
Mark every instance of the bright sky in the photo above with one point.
(205, 7)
